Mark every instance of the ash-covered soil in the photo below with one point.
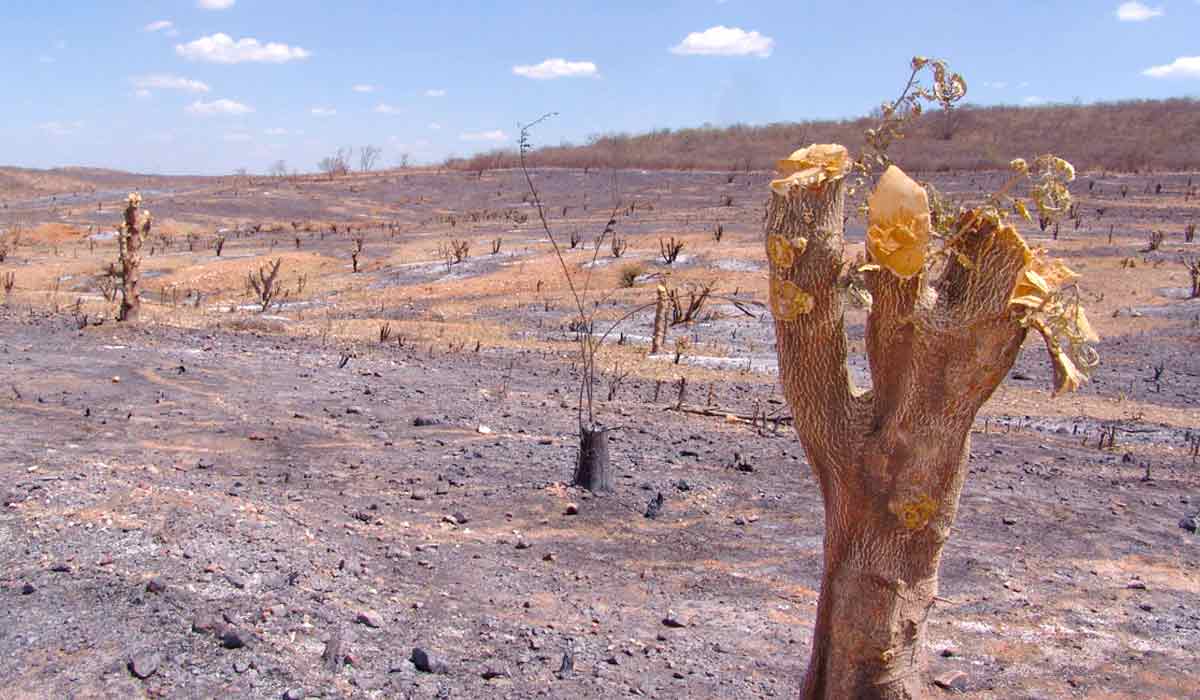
(221, 503)
(232, 515)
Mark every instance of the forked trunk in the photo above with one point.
(890, 461)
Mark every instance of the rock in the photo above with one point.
(237, 580)
(241, 666)
(294, 694)
(949, 652)
(461, 517)
(206, 623)
(61, 568)
(370, 618)
(27, 589)
(353, 410)
(491, 672)
(951, 680)
(231, 638)
(144, 665)
(334, 656)
(484, 430)
(655, 506)
(427, 662)
(522, 544)
(567, 665)
(674, 620)
(425, 421)
(572, 509)
(1008, 521)
(156, 585)
(1191, 523)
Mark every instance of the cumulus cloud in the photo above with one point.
(1182, 67)
(158, 26)
(435, 93)
(494, 135)
(435, 126)
(552, 68)
(141, 94)
(323, 111)
(215, 4)
(222, 48)
(386, 109)
(58, 128)
(725, 41)
(363, 87)
(1137, 12)
(218, 107)
(1034, 100)
(163, 81)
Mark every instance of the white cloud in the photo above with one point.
(557, 68)
(363, 88)
(1033, 100)
(61, 128)
(275, 131)
(215, 4)
(221, 48)
(237, 137)
(435, 93)
(163, 81)
(141, 94)
(1137, 12)
(725, 41)
(60, 44)
(494, 135)
(435, 126)
(323, 111)
(996, 85)
(158, 26)
(386, 109)
(221, 106)
(1182, 67)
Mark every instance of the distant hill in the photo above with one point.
(1130, 136)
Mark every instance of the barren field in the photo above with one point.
(221, 501)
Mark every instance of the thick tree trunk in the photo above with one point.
(890, 461)
(594, 469)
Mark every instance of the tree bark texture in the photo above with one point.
(134, 229)
(890, 461)
(594, 469)
(659, 339)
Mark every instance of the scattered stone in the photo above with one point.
(522, 544)
(674, 620)
(572, 509)
(232, 639)
(354, 410)
(237, 580)
(370, 618)
(241, 666)
(425, 421)
(567, 665)
(155, 585)
(27, 589)
(116, 379)
(1008, 521)
(1191, 523)
(428, 663)
(550, 556)
(484, 430)
(61, 568)
(683, 485)
(952, 680)
(492, 672)
(1136, 586)
(144, 665)
(419, 495)
(949, 652)
(294, 694)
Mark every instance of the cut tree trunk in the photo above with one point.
(659, 338)
(594, 469)
(890, 461)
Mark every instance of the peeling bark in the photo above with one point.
(891, 460)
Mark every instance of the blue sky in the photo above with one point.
(209, 86)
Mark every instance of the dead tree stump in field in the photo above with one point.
(594, 470)
(134, 229)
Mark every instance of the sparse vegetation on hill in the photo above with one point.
(1132, 136)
